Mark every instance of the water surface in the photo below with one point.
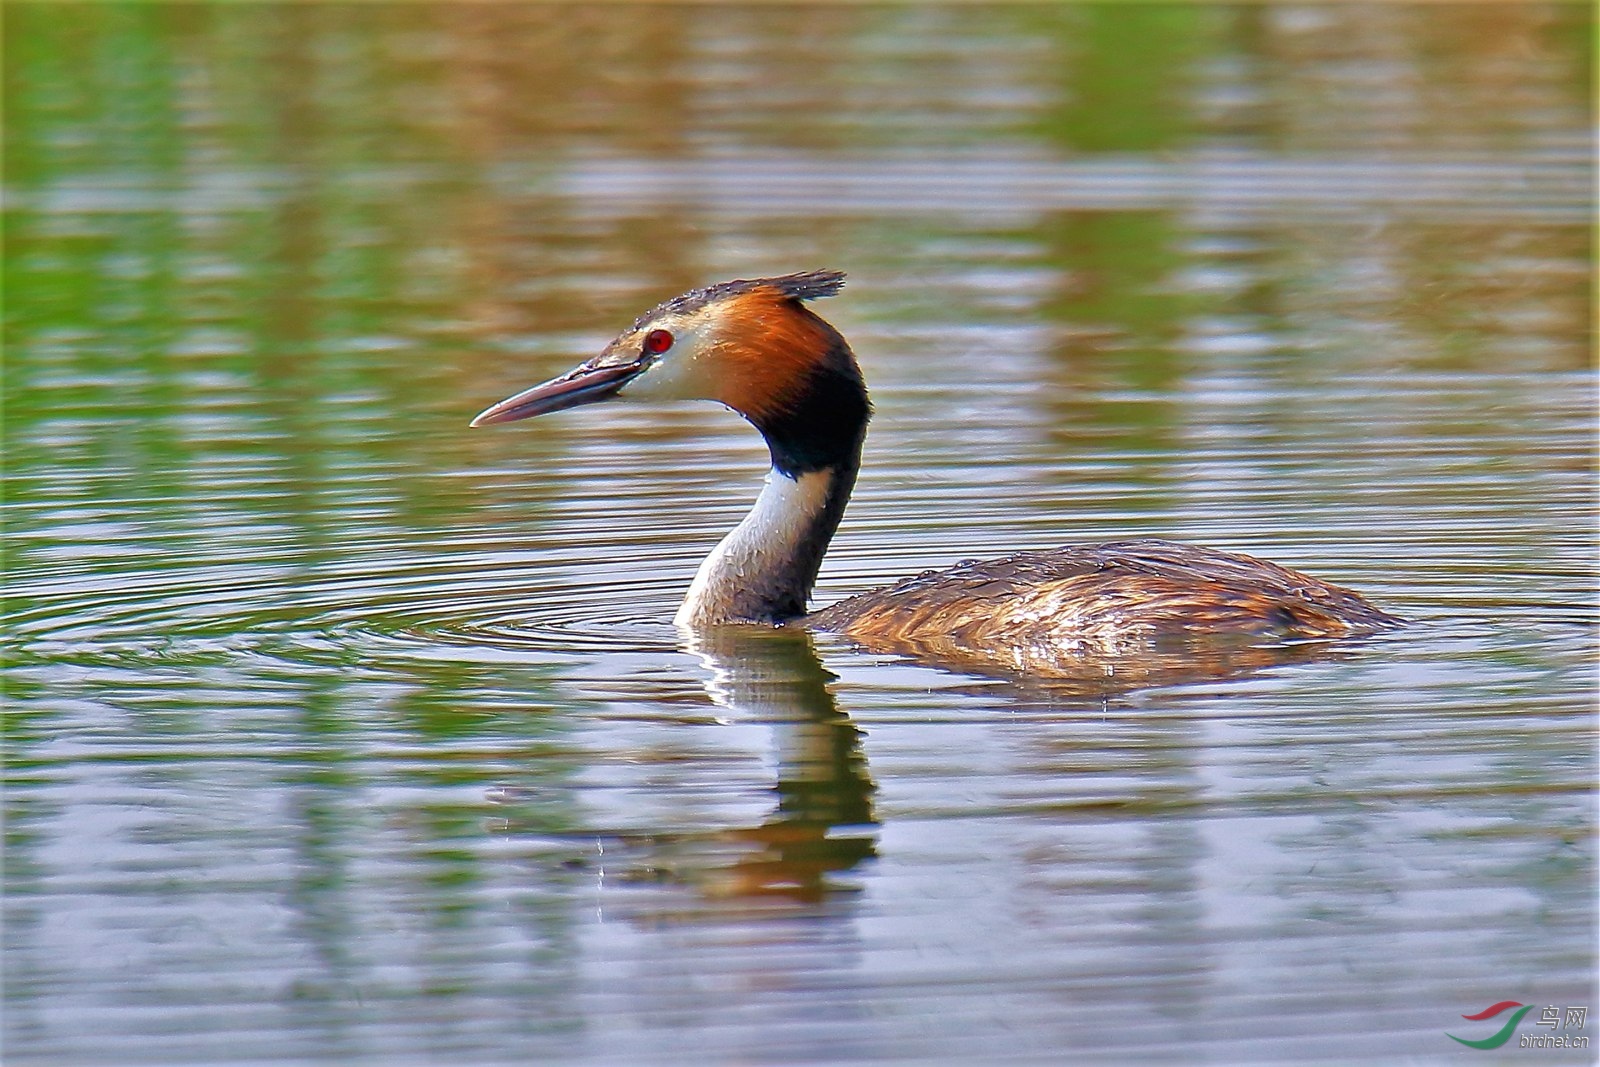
(338, 732)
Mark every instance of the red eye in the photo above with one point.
(657, 342)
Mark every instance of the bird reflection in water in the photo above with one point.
(822, 824)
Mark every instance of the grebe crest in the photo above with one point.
(753, 345)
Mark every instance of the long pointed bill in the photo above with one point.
(581, 385)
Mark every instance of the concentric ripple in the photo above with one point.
(458, 607)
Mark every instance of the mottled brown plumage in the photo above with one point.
(1064, 611)
(1145, 612)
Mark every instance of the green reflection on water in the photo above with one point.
(1129, 72)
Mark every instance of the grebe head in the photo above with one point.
(750, 344)
(753, 345)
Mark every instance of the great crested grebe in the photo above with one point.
(754, 346)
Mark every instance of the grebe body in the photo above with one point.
(754, 346)
(1106, 600)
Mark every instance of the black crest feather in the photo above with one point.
(806, 285)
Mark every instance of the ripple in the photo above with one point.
(427, 608)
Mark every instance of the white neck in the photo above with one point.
(764, 569)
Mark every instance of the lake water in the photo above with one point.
(338, 732)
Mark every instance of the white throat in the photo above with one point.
(769, 558)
